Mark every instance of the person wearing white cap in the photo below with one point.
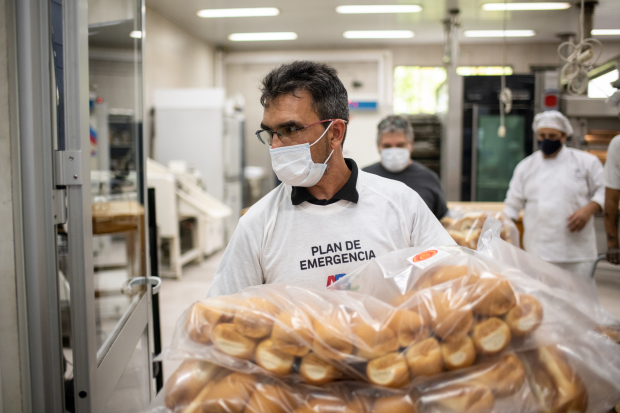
(612, 190)
(560, 189)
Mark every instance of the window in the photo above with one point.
(415, 89)
(600, 87)
(483, 70)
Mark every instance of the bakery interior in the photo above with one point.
(120, 204)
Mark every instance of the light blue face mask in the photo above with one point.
(293, 165)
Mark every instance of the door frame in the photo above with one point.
(96, 373)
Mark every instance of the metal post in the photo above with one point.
(39, 234)
(79, 223)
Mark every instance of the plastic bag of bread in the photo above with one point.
(465, 226)
(455, 330)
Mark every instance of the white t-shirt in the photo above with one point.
(312, 245)
(612, 165)
(551, 190)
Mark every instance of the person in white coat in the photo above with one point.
(560, 189)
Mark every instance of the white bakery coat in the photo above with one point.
(312, 246)
(612, 165)
(551, 190)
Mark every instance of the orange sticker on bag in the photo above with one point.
(426, 258)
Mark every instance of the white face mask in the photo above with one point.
(293, 165)
(395, 159)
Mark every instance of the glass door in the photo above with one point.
(106, 264)
(497, 157)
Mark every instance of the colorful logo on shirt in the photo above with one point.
(423, 256)
(333, 278)
(345, 286)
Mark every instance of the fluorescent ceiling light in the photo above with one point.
(525, 6)
(388, 8)
(246, 12)
(499, 33)
(378, 34)
(605, 32)
(136, 34)
(258, 37)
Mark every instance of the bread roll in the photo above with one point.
(255, 317)
(493, 296)
(555, 385)
(389, 370)
(409, 326)
(272, 359)
(292, 333)
(394, 404)
(187, 381)
(229, 395)
(459, 237)
(333, 338)
(228, 340)
(491, 336)
(469, 221)
(464, 398)
(525, 317)
(331, 404)
(316, 371)
(372, 341)
(458, 354)
(425, 358)
(504, 377)
(447, 222)
(454, 272)
(450, 316)
(471, 238)
(270, 398)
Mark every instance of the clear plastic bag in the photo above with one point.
(443, 329)
(466, 225)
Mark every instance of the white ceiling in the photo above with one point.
(319, 26)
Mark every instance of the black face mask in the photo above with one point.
(549, 147)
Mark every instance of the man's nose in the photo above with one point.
(275, 141)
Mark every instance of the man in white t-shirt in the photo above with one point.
(327, 217)
(612, 191)
(560, 189)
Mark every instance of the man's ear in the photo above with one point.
(337, 134)
(564, 138)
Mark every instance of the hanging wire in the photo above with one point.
(505, 94)
(579, 58)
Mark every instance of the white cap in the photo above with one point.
(614, 100)
(554, 120)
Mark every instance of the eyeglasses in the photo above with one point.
(287, 134)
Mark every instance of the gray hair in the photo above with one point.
(329, 96)
(395, 123)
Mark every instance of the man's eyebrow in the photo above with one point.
(281, 125)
